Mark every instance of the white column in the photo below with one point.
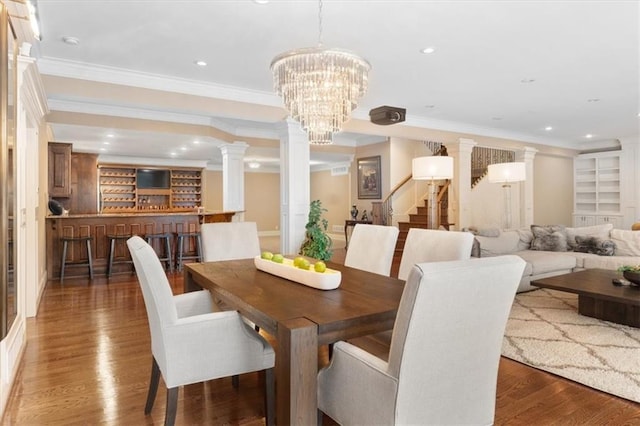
(294, 186)
(233, 178)
(527, 156)
(460, 189)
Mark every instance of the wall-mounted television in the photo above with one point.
(153, 179)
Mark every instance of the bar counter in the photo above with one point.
(98, 226)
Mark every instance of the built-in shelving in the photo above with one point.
(597, 196)
(119, 191)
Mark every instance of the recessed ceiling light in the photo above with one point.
(196, 142)
(548, 128)
(428, 50)
(254, 165)
(527, 80)
(173, 154)
(103, 149)
(200, 63)
(183, 148)
(106, 143)
(261, 1)
(110, 135)
(588, 136)
(73, 41)
(593, 100)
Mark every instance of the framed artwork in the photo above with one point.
(369, 181)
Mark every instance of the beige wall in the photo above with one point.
(262, 200)
(333, 192)
(552, 190)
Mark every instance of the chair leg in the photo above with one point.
(172, 406)
(235, 381)
(89, 259)
(112, 248)
(270, 397)
(64, 259)
(153, 386)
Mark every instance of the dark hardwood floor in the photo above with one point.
(87, 362)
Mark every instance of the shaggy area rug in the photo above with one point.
(545, 331)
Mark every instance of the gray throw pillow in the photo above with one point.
(586, 244)
(549, 238)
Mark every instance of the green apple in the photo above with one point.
(278, 258)
(266, 255)
(320, 266)
(304, 264)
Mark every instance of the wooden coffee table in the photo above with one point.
(597, 296)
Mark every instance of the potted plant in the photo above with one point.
(631, 273)
(317, 243)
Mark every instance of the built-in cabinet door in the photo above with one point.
(583, 220)
(615, 220)
(60, 170)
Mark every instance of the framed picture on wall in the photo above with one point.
(369, 180)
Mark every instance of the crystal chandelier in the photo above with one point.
(320, 86)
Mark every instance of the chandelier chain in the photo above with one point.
(319, 22)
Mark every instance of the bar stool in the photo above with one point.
(167, 247)
(180, 257)
(64, 262)
(114, 240)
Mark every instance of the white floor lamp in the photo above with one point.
(506, 174)
(432, 168)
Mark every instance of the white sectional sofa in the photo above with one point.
(558, 257)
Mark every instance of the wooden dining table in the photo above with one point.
(300, 318)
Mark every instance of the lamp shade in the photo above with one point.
(506, 172)
(433, 167)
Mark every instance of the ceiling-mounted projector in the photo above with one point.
(386, 115)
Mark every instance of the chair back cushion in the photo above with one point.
(371, 248)
(156, 291)
(229, 241)
(430, 245)
(447, 339)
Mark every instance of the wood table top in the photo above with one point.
(594, 283)
(364, 303)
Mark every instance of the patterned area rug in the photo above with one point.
(545, 331)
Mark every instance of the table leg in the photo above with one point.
(296, 372)
(188, 284)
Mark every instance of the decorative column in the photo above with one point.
(294, 186)
(460, 189)
(233, 178)
(527, 156)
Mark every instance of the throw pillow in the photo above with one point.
(549, 238)
(627, 242)
(586, 244)
(599, 231)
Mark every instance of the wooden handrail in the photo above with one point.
(395, 188)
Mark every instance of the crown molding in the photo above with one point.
(112, 75)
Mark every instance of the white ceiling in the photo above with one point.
(501, 68)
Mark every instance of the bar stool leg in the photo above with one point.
(64, 258)
(199, 247)
(89, 258)
(167, 247)
(180, 249)
(112, 248)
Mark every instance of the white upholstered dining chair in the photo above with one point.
(189, 342)
(371, 248)
(445, 350)
(431, 245)
(229, 241)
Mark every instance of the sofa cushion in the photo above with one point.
(594, 245)
(599, 231)
(627, 242)
(580, 257)
(549, 238)
(543, 262)
(609, 262)
(506, 243)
